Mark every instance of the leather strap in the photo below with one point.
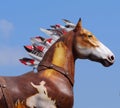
(5, 92)
(58, 69)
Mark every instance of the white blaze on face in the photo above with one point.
(100, 53)
(41, 99)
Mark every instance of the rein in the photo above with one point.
(58, 69)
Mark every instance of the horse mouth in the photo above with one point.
(107, 62)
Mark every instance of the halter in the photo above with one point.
(47, 65)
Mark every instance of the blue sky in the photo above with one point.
(95, 86)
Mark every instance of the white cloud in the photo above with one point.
(10, 56)
(6, 28)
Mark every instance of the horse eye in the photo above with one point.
(89, 36)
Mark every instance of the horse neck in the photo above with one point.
(61, 54)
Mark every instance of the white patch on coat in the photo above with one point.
(41, 99)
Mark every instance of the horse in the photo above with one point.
(52, 85)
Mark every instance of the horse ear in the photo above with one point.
(78, 26)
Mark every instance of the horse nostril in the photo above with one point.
(111, 58)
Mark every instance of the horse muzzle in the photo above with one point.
(108, 61)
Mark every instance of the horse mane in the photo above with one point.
(41, 45)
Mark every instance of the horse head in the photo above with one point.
(87, 46)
